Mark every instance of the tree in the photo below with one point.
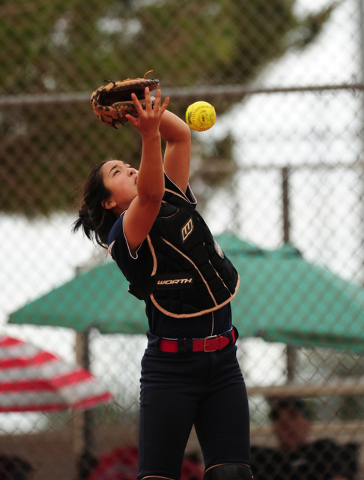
(73, 45)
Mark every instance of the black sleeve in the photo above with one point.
(332, 459)
(348, 459)
(266, 463)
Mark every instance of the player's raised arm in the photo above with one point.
(149, 181)
(178, 149)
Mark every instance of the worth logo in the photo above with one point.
(187, 229)
(175, 281)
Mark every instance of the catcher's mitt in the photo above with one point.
(112, 102)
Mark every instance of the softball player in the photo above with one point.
(190, 374)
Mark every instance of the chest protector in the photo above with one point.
(190, 274)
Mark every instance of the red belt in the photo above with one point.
(208, 344)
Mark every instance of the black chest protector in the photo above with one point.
(190, 274)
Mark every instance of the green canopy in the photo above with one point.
(98, 298)
(282, 298)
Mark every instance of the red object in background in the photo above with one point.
(33, 379)
(122, 464)
(191, 470)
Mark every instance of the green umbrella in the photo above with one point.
(282, 298)
(98, 298)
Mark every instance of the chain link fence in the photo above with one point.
(280, 176)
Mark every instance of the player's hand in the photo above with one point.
(148, 119)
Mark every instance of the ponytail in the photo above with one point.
(95, 220)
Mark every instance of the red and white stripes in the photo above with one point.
(32, 379)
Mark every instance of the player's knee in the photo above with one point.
(229, 471)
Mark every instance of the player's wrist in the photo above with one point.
(151, 136)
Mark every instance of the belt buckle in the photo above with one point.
(204, 343)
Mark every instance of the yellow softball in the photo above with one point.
(200, 116)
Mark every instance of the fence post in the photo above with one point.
(84, 422)
(290, 351)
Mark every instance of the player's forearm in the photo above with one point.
(178, 149)
(173, 129)
(150, 177)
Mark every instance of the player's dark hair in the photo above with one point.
(290, 403)
(95, 220)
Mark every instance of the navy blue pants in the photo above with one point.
(181, 390)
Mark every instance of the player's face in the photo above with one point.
(291, 429)
(121, 179)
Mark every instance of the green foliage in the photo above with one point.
(74, 45)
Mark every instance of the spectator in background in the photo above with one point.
(296, 458)
(13, 467)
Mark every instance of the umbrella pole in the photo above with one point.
(84, 422)
(291, 361)
(290, 351)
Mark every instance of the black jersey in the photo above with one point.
(179, 270)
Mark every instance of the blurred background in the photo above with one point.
(279, 179)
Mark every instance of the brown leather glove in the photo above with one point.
(112, 102)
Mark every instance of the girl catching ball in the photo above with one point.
(190, 376)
